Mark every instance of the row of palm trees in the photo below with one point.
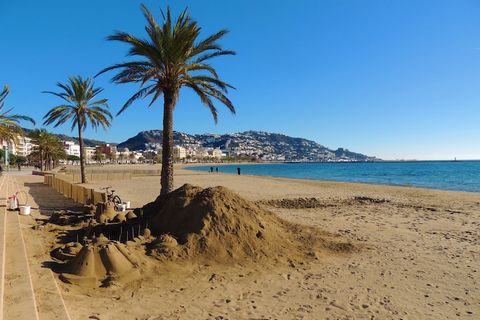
(48, 149)
(170, 58)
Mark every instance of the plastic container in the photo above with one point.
(127, 203)
(25, 210)
(122, 207)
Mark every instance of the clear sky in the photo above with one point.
(394, 79)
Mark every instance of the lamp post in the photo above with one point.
(6, 154)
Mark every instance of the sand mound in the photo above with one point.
(101, 261)
(217, 224)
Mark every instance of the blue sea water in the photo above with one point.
(445, 175)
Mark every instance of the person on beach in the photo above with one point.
(216, 169)
(211, 169)
(238, 170)
(19, 167)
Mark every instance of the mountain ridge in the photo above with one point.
(259, 144)
(256, 144)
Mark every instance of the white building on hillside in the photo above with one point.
(71, 148)
(179, 152)
(217, 154)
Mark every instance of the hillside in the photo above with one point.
(88, 142)
(264, 145)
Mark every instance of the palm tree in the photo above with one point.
(78, 94)
(170, 58)
(10, 127)
(48, 149)
(98, 156)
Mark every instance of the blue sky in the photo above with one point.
(394, 79)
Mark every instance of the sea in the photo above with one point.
(444, 175)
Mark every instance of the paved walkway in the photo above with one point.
(27, 289)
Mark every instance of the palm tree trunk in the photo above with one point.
(41, 160)
(167, 143)
(82, 157)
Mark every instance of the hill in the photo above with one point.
(88, 142)
(259, 144)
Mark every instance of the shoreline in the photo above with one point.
(189, 168)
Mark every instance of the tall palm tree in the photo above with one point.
(78, 94)
(10, 127)
(170, 58)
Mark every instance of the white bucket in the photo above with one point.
(122, 207)
(25, 210)
(127, 203)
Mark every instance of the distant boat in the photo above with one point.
(455, 159)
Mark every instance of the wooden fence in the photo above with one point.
(72, 190)
(108, 175)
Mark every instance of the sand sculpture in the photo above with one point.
(105, 212)
(201, 225)
(101, 262)
(216, 224)
(69, 217)
(166, 245)
(120, 217)
(68, 251)
(130, 215)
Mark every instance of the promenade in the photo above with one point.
(28, 290)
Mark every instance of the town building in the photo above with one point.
(123, 155)
(23, 147)
(179, 152)
(217, 154)
(90, 153)
(109, 150)
(71, 148)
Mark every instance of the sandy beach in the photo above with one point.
(417, 256)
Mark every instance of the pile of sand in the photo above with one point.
(217, 224)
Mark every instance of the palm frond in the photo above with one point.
(79, 93)
(171, 56)
(10, 127)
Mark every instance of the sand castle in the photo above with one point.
(105, 212)
(212, 225)
(101, 262)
